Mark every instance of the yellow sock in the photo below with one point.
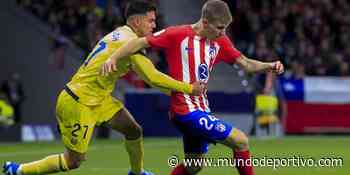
(135, 151)
(50, 164)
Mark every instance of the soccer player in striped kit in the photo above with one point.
(192, 51)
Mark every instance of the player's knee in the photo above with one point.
(74, 164)
(134, 132)
(242, 142)
(237, 140)
(137, 131)
(74, 160)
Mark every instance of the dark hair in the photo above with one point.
(139, 7)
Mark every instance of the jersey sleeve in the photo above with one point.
(227, 52)
(160, 39)
(146, 70)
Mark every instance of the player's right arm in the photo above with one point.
(146, 70)
(161, 39)
(126, 50)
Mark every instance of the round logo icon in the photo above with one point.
(212, 51)
(220, 127)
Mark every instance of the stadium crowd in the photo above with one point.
(311, 36)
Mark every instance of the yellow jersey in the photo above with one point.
(92, 88)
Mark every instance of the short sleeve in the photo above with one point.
(160, 39)
(227, 53)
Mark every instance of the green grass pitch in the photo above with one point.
(108, 157)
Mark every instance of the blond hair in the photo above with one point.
(216, 11)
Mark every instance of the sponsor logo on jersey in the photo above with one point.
(115, 36)
(203, 72)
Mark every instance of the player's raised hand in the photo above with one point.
(277, 67)
(108, 67)
(198, 88)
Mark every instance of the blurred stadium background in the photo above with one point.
(306, 111)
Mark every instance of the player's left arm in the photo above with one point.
(230, 54)
(251, 65)
(146, 70)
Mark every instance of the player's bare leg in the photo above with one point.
(68, 160)
(125, 123)
(238, 142)
(74, 159)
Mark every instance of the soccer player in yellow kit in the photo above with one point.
(86, 100)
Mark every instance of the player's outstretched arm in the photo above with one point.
(126, 50)
(146, 70)
(251, 65)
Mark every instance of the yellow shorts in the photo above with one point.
(77, 121)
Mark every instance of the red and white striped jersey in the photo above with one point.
(191, 58)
